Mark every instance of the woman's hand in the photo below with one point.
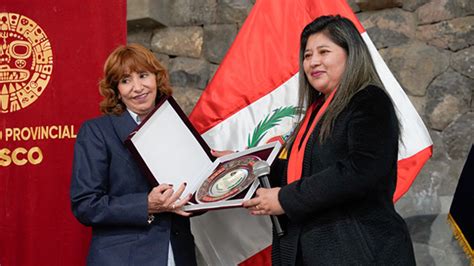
(221, 153)
(163, 199)
(265, 203)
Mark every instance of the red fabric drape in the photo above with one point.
(51, 58)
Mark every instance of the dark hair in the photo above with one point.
(124, 60)
(360, 69)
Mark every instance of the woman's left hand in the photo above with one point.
(163, 198)
(265, 203)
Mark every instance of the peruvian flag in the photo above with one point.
(251, 100)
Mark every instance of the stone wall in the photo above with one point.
(428, 45)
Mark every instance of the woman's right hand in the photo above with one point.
(163, 198)
(221, 153)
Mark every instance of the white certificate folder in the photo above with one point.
(169, 150)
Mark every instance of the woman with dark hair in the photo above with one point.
(334, 193)
(132, 223)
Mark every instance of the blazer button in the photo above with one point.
(151, 218)
(176, 233)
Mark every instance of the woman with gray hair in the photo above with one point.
(334, 192)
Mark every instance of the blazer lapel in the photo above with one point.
(123, 125)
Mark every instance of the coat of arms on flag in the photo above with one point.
(270, 121)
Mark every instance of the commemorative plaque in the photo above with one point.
(227, 180)
(169, 150)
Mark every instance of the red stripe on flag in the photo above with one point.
(264, 257)
(408, 169)
(263, 56)
(318, 8)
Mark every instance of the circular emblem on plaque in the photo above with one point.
(26, 62)
(228, 180)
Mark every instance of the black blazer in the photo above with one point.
(341, 211)
(110, 194)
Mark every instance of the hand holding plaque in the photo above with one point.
(170, 150)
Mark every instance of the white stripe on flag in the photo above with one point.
(415, 136)
(237, 127)
(225, 237)
(230, 236)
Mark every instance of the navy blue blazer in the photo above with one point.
(110, 194)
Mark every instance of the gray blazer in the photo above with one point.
(109, 193)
